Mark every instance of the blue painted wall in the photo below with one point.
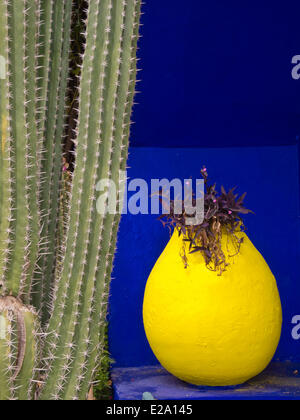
(268, 174)
(216, 77)
(218, 73)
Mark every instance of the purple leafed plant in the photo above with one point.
(222, 215)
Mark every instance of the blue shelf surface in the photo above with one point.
(280, 381)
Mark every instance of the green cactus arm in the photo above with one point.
(19, 345)
(109, 89)
(56, 176)
(16, 275)
(19, 226)
(31, 30)
(52, 145)
(81, 204)
(98, 111)
(45, 10)
(108, 231)
(36, 85)
(6, 164)
(45, 28)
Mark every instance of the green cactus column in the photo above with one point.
(71, 297)
(74, 340)
(54, 40)
(19, 212)
(19, 228)
(6, 168)
(107, 228)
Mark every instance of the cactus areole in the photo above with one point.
(56, 250)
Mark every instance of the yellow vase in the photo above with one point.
(212, 330)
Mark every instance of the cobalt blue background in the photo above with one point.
(218, 73)
(217, 90)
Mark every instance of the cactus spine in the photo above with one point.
(70, 296)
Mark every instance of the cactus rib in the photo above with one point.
(107, 229)
(31, 19)
(71, 277)
(52, 148)
(110, 78)
(99, 110)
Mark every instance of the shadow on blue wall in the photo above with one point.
(268, 174)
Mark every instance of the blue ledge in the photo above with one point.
(278, 381)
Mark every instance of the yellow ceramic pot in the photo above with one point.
(208, 329)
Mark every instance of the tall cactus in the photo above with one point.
(70, 297)
(54, 43)
(19, 210)
(106, 95)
